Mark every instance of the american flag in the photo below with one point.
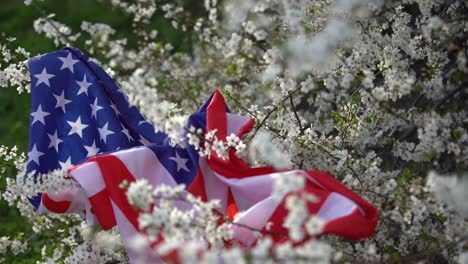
(80, 124)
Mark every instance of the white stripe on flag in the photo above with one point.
(79, 202)
(235, 123)
(144, 254)
(74, 195)
(214, 187)
(255, 217)
(336, 206)
(89, 177)
(143, 164)
(42, 209)
(250, 190)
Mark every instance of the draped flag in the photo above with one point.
(241, 190)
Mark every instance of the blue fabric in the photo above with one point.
(59, 76)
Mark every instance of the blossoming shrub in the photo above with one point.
(373, 92)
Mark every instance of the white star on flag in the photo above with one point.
(126, 133)
(144, 122)
(114, 107)
(77, 127)
(104, 132)
(68, 62)
(181, 162)
(39, 115)
(43, 77)
(61, 101)
(54, 141)
(83, 86)
(92, 150)
(144, 141)
(34, 155)
(67, 164)
(95, 107)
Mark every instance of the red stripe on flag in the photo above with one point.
(216, 116)
(102, 208)
(197, 187)
(331, 184)
(353, 226)
(216, 119)
(115, 172)
(235, 168)
(55, 206)
(277, 218)
(246, 128)
(232, 209)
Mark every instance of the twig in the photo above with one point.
(2, 162)
(335, 158)
(252, 114)
(450, 95)
(375, 193)
(43, 13)
(239, 104)
(227, 219)
(296, 115)
(390, 110)
(273, 110)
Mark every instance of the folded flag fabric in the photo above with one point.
(243, 191)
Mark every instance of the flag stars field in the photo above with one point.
(114, 107)
(143, 141)
(75, 123)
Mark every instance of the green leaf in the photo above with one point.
(428, 155)
(457, 76)
(356, 100)
(430, 72)
(418, 87)
(232, 69)
(457, 134)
